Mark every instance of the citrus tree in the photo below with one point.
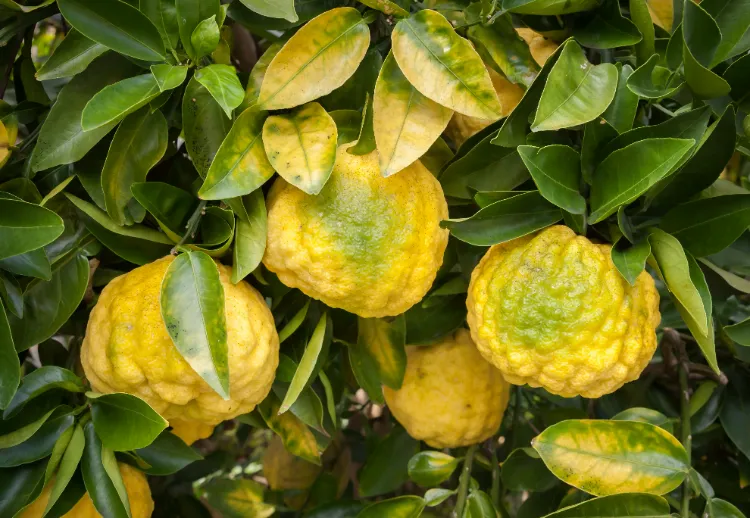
(377, 258)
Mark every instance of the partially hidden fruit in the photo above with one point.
(461, 127)
(284, 472)
(191, 431)
(551, 310)
(450, 396)
(136, 486)
(366, 244)
(127, 349)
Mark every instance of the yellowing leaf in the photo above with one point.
(661, 12)
(4, 143)
(301, 146)
(613, 457)
(296, 436)
(319, 58)
(443, 66)
(384, 342)
(257, 74)
(406, 123)
(240, 165)
(386, 6)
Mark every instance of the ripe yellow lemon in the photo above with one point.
(551, 310)
(366, 244)
(450, 396)
(127, 349)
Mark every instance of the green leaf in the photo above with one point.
(365, 143)
(734, 416)
(10, 371)
(250, 236)
(116, 101)
(505, 220)
(169, 205)
(409, 506)
(576, 91)
(653, 82)
(549, 7)
(523, 470)
(235, 498)
(11, 294)
(366, 372)
(302, 71)
(296, 436)
(443, 66)
(733, 18)
(294, 323)
(431, 468)
(163, 14)
(49, 304)
(273, 8)
(190, 13)
(23, 433)
(99, 485)
(20, 486)
(641, 17)
(205, 37)
(71, 57)
(40, 381)
(479, 505)
(437, 495)
(708, 226)
(389, 7)
(701, 40)
(384, 340)
(645, 415)
(192, 306)
(240, 165)
(68, 466)
(115, 25)
(301, 146)
(222, 83)
(617, 506)
(41, 443)
(611, 457)
(125, 422)
(25, 227)
(138, 145)
(304, 373)
(723, 509)
(386, 468)
(506, 49)
(556, 170)
(629, 172)
(62, 140)
(608, 29)
(169, 77)
(740, 333)
(630, 260)
(167, 454)
(621, 113)
(254, 82)
(204, 125)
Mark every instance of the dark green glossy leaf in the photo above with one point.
(10, 372)
(733, 19)
(167, 454)
(399, 507)
(386, 467)
(431, 468)
(366, 372)
(163, 14)
(192, 306)
(608, 29)
(39, 382)
(115, 25)
(41, 443)
(189, 14)
(99, 484)
(24, 432)
(734, 416)
(303, 375)
(651, 81)
(124, 422)
(348, 123)
(523, 470)
(204, 125)
(505, 220)
(68, 466)
(618, 506)
(169, 205)
(722, 509)
(740, 333)
(19, 486)
(621, 113)
(10, 293)
(630, 260)
(575, 92)
(49, 304)
(25, 227)
(548, 7)
(701, 40)
(71, 57)
(116, 101)
(556, 170)
(250, 236)
(62, 140)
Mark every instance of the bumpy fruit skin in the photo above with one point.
(136, 486)
(450, 396)
(551, 310)
(127, 349)
(366, 244)
(191, 431)
(461, 127)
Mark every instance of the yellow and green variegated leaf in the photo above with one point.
(613, 457)
(400, 507)
(240, 165)
(506, 49)
(386, 6)
(257, 74)
(296, 436)
(319, 58)
(443, 66)
(662, 13)
(301, 146)
(549, 7)
(384, 340)
(406, 123)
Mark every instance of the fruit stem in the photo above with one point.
(495, 492)
(463, 485)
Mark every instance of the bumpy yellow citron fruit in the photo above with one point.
(462, 127)
(136, 486)
(541, 48)
(191, 431)
(127, 349)
(451, 396)
(366, 244)
(551, 310)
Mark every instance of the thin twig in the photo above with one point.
(192, 225)
(463, 485)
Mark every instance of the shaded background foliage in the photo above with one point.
(120, 123)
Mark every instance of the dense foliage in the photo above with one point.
(132, 129)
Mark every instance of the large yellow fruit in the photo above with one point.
(136, 486)
(366, 244)
(127, 349)
(451, 396)
(551, 310)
